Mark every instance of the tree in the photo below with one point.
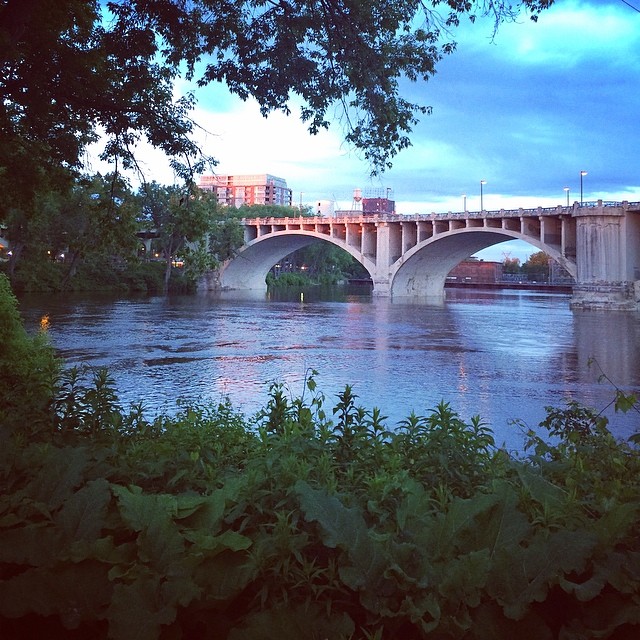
(97, 221)
(179, 216)
(511, 265)
(225, 238)
(537, 266)
(73, 70)
(71, 66)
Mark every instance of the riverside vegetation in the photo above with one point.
(304, 520)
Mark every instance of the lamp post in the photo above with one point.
(482, 183)
(464, 202)
(567, 192)
(582, 175)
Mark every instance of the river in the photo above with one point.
(504, 355)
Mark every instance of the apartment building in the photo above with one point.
(234, 191)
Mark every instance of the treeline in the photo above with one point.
(309, 519)
(98, 234)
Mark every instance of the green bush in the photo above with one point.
(312, 522)
(28, 370)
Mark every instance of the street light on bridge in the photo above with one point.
(464, 202)
(482, 183)
(567, 192)
(582, 175)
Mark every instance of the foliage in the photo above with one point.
(537, 266)
(181, 218)
(225, 238)
(289, 279)
(315, 521)
(73, 71)
(27, 372)
(266, 211)
(511, 265)
(317, 263)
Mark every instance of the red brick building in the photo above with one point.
(474, 271)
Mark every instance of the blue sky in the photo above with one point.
(526, 111)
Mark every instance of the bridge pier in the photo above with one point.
(608, 258)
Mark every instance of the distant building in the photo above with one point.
(325, 208)
(234, 191)
(377, 206)
(474, 271)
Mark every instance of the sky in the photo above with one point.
(526, 110)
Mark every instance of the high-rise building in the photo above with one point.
(234, 191)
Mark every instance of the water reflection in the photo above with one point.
(502, 355)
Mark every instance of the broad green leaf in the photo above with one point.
(522, 575)
(205, 513)
(540, 489)
(344, 527)
(139, 510)
(617, 522)
(211, 544)
(159, 542)
(458, 529)
(161, 545)
(341, 526)
(464, 578)
(104, 550)
(60, 474)
(82, 515)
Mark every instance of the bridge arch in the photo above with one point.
(249, 269)
(423, 269)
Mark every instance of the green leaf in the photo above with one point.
(617, 523)
(210, 545)
(140, 510)
(340, 525)
(60, 474)
(202, 513)
(522, 575)
(540, 489)
(82, 515)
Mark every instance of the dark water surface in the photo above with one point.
(501, 354)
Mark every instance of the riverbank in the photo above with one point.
(525, 286)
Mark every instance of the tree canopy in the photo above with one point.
(74, 68)
(73, 72)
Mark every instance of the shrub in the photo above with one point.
(28, 370)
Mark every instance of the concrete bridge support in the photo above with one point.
(608, 258)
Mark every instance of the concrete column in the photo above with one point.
(604, 279)
(381, 282)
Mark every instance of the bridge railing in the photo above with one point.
(393, 217)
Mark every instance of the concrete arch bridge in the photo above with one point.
(598, 243)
